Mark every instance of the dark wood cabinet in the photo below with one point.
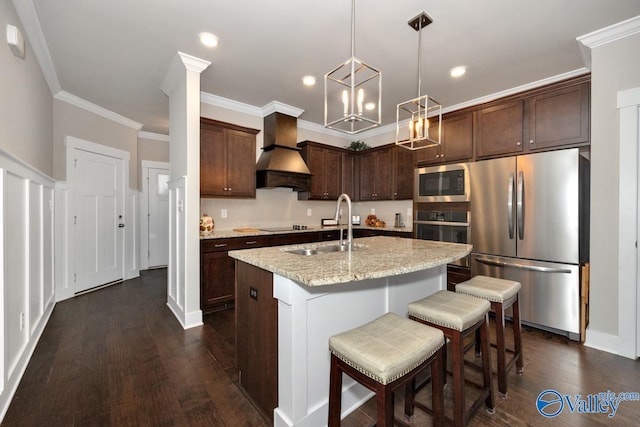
(257, 348)
(375, 173)
(402, 183)
(325, 164)
(499, 129)
(217, 286)
(456, 274)
(227, 160)
(559, 117)
(456, 142)
(348, 174)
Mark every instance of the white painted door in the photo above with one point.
(98, 219)
(158, 217)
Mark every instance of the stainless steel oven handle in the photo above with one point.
(523, 266)
(454, 224)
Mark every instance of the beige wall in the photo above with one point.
(70, 120)
(615, 67)
(152, 150)
(26, 119)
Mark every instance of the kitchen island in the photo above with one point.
(288, 305)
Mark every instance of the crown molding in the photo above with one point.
(96, 109)
(607, 35)
(193, 63)
(230, 104)
(281, 107)
(179, 63)
(151, 135)
(28, 15)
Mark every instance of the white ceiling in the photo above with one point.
(115, 53)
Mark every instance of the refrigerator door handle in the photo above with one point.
(523, 266)
(520, 205)
(510, 205)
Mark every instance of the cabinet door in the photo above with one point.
(332, 173)
(218, 280)
(213, 161)
(402, 173)
(241, 164)
(457, 138)
(428, 155)
(315, 159)
(367, 173)
(347, 175)
(560, 117)
(383, 174)
(499, 129)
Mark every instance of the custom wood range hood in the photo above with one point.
(281, 164)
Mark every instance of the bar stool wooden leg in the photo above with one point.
(486, 362)
(517, 335)
(457, 349)
(437, 384)
(335, 393)
(500, 345)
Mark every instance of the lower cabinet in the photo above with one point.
(257, 337)
(455, 275)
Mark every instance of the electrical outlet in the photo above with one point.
(409, 212)
(223, 213)
(22, 320)
(373, 211)
(309, 212)
(253, 292)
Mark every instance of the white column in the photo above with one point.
(182, 85)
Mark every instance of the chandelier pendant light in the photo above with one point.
(419, 120)
(352, 93)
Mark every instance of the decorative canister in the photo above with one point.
(206, 224)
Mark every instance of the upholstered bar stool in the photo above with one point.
(458, 316)
(502, 294)
(384, 355)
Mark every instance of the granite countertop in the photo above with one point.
(254, 231)
(374, 257)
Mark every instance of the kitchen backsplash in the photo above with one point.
(280, 207)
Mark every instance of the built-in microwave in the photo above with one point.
(444, 183)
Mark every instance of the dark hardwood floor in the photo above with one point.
(118, 357)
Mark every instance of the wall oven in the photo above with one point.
(445, 183)
(443, 224)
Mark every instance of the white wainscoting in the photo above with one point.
(176, 275)
(26, 262)
(131, 246)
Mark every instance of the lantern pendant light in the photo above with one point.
(352, 93)
(419, 120)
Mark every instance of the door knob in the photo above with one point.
(120, 225)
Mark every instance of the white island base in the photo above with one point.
(308, 316)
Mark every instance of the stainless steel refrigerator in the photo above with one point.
(526, 225)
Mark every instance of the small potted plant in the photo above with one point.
(358, 146)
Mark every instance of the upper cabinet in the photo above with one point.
(546, 118)
(402, 178)
(375, 173)
(227, 160)
(456, 141)
(325, 164)
(559, 117)
(499, 129)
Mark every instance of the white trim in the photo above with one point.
(96, 109)
(175, 70)
(30, 172)
(145, 165)
(63, 286)
(229, 104)
(606, 35)
(72, 142)
(151, 135)
(193, 63)
(33, 29)
(602, 341)
(629, 198)
(281, 107)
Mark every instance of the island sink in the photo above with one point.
(323, 249)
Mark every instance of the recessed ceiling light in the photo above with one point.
(309, 80)
(370, 106)
(209, 39)
(458, 71)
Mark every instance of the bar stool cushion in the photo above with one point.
(387, 348)
(450, 309)
(489, 288)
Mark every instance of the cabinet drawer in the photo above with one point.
(230, 244)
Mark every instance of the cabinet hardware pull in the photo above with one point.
(531, 141)
(252, 242)
(219, 245)
(518, 143)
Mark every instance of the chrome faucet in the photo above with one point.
(346, 197)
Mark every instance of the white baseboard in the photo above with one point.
(602, 341)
